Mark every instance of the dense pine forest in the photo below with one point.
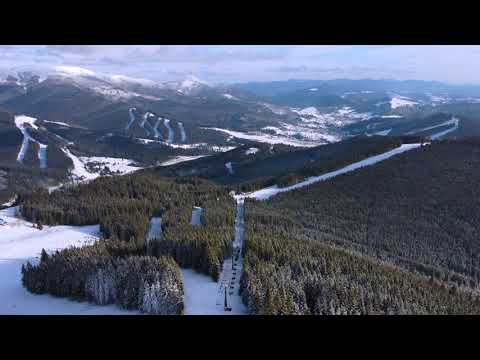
(109, 272)
(285, 274)
(124, 205)
(415, 210)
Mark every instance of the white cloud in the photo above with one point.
(228, 63)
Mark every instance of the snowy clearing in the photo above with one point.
(155, 230)
(180, 159)
(265, 138)
(196, 216)
(21, 242)
(266, 193)
(251, 151)
(383, 132)
(229, 167)
(401, 101)
(80, 171)
(182, 132)
(166, 122)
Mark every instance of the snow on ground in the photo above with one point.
(73, 71)
(229, 97)
(391, 116)
(196, 216)
(182, 132)
(383, 132)
(20, 122)
(157, 134)
(155, 230)
(274, 108)
(122, 166)
(452, 121)
(265, 138)
(401, 101)
(9, 203)
(132, 118)
(313, 89)
(170, 130)
(251, 151)
(214, 148)
(179, 159)
(80, 171)
(229, 167)
(144, 120)
(445, 132)
(57, 122)
(21, 242)
(266, 193)
(203, 296)
(42, 155)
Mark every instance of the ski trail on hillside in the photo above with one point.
(229, 167)
(20, 121)
(182, 133)
(42, 155)
(267, 193)
(144, 120)
(436, 136)
(170, 130)
(132, 118)
(155, 128)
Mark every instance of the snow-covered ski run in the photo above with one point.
(170, 130)
(132, 118)
(182, 132)
(20, 122)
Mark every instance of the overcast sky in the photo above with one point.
(227, 63)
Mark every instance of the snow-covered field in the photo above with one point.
(21, 242)
(266, 138)
(42, 155)
(401, 101)
(251, 151)
(266, 193)
(80, 171)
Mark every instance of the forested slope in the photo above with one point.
(416, 210)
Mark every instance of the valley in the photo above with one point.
(132, 196)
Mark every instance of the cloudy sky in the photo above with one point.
(233, 63)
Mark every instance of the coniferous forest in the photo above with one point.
(398, 237)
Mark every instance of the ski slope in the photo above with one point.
(266, 193)
(166, 122)
(20, 122)
(440, 134)
(229, 167)
(182, 132)
(196, 216)
(21, 242)
(157, 134)
(132, 118)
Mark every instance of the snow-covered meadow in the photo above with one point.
(20, 242)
